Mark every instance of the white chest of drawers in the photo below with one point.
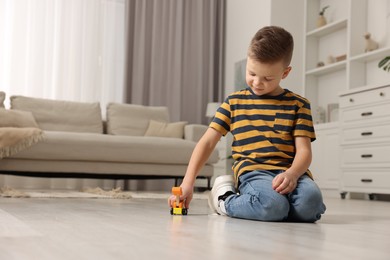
(365, 141)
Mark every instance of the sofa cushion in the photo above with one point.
(67, 146)
(15, 118)
(163, 129)
(194, 132)
(2, 98)
(57, 115)
(133, 120)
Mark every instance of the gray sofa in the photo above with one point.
(132, 142)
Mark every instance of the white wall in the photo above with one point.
(244, 18)
(289, 15)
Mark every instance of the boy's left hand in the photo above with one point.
(284, 183)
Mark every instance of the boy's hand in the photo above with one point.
(284, 183)
(187, 195)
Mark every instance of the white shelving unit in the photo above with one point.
(347, 23)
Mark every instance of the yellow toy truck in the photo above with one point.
(177, 206)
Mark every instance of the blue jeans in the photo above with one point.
(258, 201)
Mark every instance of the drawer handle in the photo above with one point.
(366, 155)
(366, 133)
(367, 114)
(351, 100)
(366, 180)
(382, 94)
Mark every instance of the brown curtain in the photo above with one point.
(175, 55)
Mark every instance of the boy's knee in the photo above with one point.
(312, 196)
(271, 208)
(308, 195)
(308, 213)
(308, 208)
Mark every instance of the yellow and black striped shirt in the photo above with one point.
(264, 128)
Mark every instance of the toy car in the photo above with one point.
(177, 205)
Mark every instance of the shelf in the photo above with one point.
(328, 29)
(372, 55)
(362, 89)
(327, 69)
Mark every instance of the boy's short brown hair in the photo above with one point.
(271, 44)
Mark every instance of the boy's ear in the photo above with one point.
(286, 72)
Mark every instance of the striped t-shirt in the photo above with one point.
(264, 128)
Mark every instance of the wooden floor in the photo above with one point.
(144, 229)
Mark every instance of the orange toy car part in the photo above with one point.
(177, 205)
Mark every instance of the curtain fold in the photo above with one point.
(63, 49)
(175, 55)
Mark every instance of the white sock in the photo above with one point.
(222, 207)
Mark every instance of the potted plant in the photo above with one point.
(385, 63)
(321, 20)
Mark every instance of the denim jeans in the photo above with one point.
(258, 201)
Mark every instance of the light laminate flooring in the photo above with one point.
(144, 229)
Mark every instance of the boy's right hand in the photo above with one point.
(188, 192)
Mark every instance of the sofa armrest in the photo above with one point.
(194, 132)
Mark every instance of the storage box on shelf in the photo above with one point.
(365, 140)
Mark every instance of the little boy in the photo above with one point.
(273, 130)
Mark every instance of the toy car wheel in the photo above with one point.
(171, 211)
(184, 211)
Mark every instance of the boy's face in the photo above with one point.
(264, 78)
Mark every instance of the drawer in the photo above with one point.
(365, 97)
(363, 114)
(364, 134)
(371, 156)
(369, 179)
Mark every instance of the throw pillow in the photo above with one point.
(162, 129)
(14, 118)
(2, 98)
(16, 139)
